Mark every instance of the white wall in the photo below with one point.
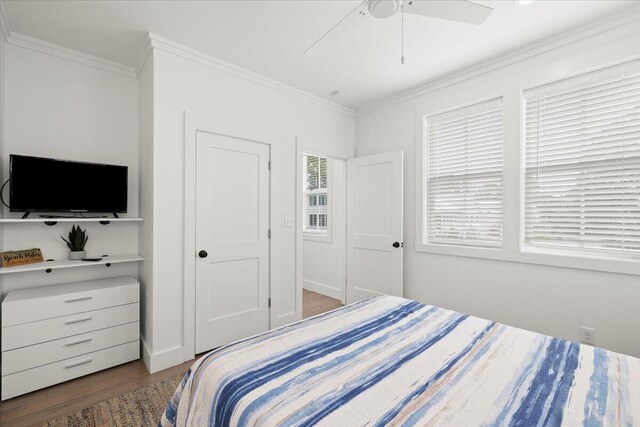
(145, 154)
(3, 41)
(63, 109)
(550, 300)
(3, 32)
(324, 269)
(227, 95)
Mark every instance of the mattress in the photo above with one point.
(393, 361)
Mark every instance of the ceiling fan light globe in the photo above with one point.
(383, 8)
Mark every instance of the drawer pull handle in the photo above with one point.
(78, 299)
(79, 362)
(80, 341)
(81, 319)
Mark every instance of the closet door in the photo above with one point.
(232, 239)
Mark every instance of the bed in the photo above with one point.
(393, 361)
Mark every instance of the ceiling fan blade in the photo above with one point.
(348, 23)
(452, 10)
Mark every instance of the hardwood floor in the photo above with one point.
(40, 406)
(314, 303)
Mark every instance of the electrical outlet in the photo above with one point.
(587, 335)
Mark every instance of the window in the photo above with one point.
(315, 194)
(582, 163)
(323, 221)
(462, 179)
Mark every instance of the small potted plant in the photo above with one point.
(77, 240)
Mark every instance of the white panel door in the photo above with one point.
(232, 239)
(374, 226)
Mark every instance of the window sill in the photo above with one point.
(317, 237)
(624, 264)
(594, 262)
(460, 250)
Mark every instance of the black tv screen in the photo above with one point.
(48, 185)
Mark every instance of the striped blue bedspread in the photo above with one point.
(392, 361)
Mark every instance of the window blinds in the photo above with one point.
(582, 163)
(315, 193)
(463, 176)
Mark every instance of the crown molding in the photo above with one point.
(70, 54)
(505, 60)
(144, 54)
(52, 49)
(157, 42)
(4, 23)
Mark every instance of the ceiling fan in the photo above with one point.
(452, 10)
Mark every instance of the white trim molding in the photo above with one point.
(62, 52)
(505, 60)
(422, 112)
(163, 359)
(56, 50)
(566, 260)
(323, 289)
(145, 52)
(512, 249)
(4, 23)
(157, 42)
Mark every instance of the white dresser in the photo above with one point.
(56, 333)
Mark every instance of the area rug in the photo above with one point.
(141, 407)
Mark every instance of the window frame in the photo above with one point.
(446, 248)
(588, 77)
(319, 235)
(513, 249)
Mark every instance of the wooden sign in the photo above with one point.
(28, 256)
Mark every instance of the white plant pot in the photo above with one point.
(76, 255)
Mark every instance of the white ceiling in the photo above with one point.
(270, 37)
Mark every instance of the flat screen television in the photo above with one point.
(39, 184)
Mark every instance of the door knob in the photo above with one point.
(396, 244)
(203, 254)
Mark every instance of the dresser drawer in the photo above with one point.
(52, 329)
(44, 376)
(53, 351)
(44, 303)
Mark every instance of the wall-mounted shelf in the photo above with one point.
(48, 266)
(54, 221)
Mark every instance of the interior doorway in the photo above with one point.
(349, 228)
(322, 213)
